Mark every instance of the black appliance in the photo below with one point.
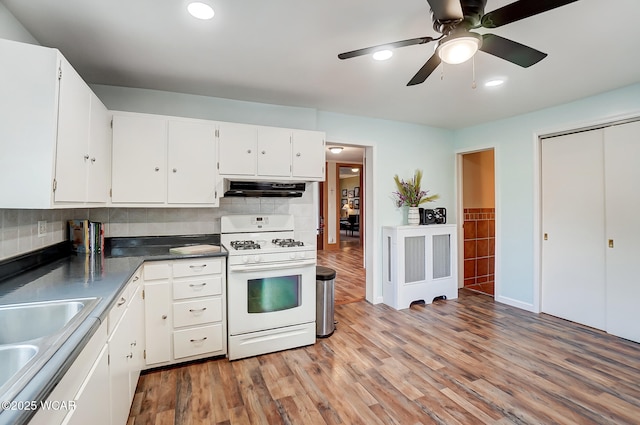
(264, 189)
(440, 215)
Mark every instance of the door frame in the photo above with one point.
(460, 214)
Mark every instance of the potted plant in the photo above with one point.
(410, 193)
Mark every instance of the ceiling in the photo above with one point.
(285, 52)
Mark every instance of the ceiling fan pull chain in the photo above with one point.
(473, 68)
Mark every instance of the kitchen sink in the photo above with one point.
(13, 358)
(31, 333)
(24, 322)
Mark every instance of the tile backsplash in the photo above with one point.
(19, 228)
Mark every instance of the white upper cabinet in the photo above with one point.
(139, 159)
(47, 132)
(238, 144)
(274, 152)
(192, 163)
(159, 160)
(307, 155)
(270, 153)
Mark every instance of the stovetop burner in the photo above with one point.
(287, 243)
(242, 245)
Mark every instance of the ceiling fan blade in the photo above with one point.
(425, 71)
(368, 50)
(511, 51)
(446, 10)
(519, 10)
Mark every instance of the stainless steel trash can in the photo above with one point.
(325, 301)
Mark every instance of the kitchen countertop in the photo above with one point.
(83, 276)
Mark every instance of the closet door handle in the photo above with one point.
(610, 243)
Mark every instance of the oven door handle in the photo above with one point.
(276, 266)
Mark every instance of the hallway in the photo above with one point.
(350, 274)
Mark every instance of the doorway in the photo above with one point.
(478, 233)
(343, 208)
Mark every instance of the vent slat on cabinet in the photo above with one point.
(414, 256)
(441, 256)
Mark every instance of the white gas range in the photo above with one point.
(270, 287)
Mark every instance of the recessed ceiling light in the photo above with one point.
(355, 170)
(382, 55)
(200, 10)
(494, 83)
(335, 149)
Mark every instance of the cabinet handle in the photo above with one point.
(175, 170)
(197, 310)
(93, 160)
(135, 279)
(122, 301)
(248, 150)
(298, 154)
(134, 343)
(157, 168)
(198, 340)
(199, 285)
(198, 267)
(264, 152)
(86, 157)
(164, 317)
(130, 356)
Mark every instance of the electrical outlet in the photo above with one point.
(42, 228)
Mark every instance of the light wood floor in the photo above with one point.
(348, 262)
(464, 361)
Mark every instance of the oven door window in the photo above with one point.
(273, 293)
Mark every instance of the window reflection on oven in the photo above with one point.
(273, 293)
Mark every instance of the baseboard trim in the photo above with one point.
(516, 303)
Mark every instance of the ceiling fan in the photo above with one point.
(455, 18)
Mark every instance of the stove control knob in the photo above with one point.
(245, 259)
(292, 255)
(257, 259)
(301, 255)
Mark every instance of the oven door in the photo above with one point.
(270, 296)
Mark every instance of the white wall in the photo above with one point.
(516, 161)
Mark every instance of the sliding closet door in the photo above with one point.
(622, 189)
(573, 252)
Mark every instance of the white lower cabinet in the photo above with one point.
(420, 264)
(125, 344)
(79, 397)
(185, 310)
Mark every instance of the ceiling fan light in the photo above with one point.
(335, 149)
(382, 55)
(200, 10)
(457, 49)
(494, 83)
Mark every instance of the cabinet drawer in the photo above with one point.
(156, 270)
(192, 288)
(197, 267)
(191, 342)
(197, 312)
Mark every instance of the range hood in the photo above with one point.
(264, 189)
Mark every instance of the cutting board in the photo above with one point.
(194, 249)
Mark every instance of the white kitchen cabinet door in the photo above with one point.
(158, 322)
(99, 164)
(308, 155)
(622, 178)
(139, 173)
(573, 248)
(92, 407)
(274, 152)
(72, 149)
(120, 357)
(192, 163)
(136, 321)
(237, 144)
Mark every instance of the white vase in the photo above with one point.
(413, 216)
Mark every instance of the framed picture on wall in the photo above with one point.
(356, 191)
(351, 194)
(351, 205)
(356, 204)
(344, 192)
(344, 202)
